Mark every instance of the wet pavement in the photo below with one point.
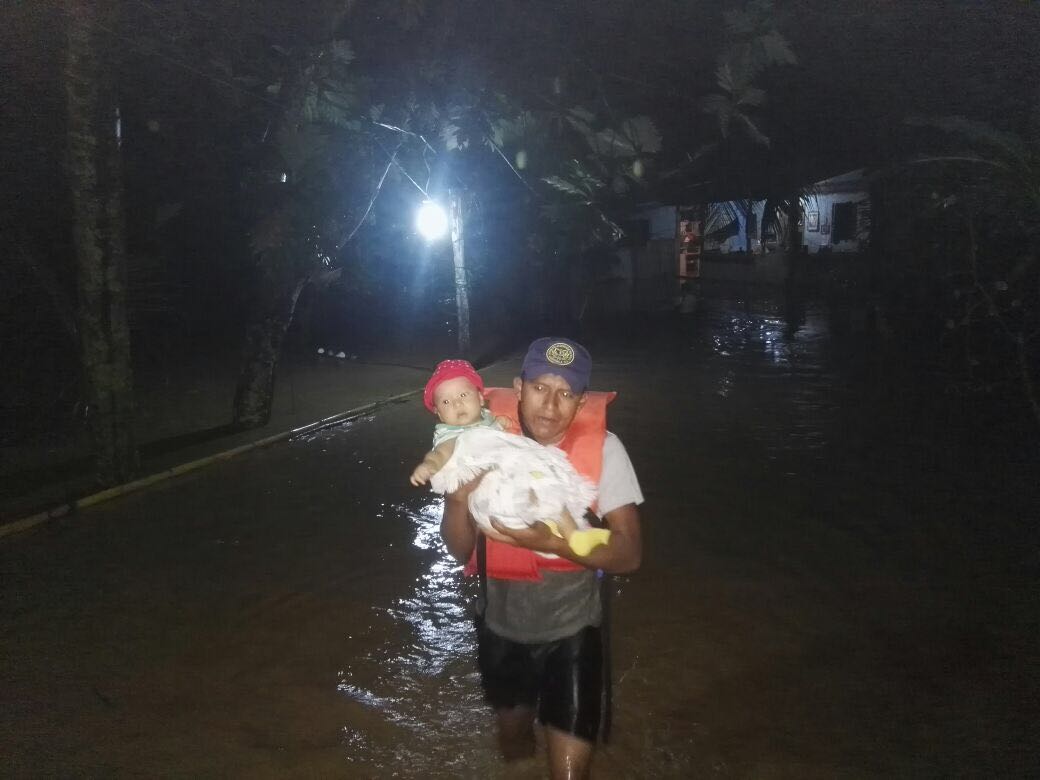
(839, 581)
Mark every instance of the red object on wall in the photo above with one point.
(689, 249)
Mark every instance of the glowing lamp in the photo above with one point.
(431, 221)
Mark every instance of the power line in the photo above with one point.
(379, 187)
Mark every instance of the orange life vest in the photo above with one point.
(583, 444)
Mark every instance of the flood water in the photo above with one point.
(839, 581)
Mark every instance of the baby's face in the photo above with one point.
(457, 402)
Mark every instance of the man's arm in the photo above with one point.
(623, 554)
(457, 529)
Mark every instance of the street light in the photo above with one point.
(431, 221)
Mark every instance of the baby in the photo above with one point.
(523, 482)
(455, 393)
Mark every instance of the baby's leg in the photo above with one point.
(585, 541)
(581, 541)
(560, 526)
(567, 524)
(563, 526)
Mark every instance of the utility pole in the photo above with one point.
(458, 257)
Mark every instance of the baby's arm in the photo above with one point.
(433, 462)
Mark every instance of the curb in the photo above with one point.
(24, 524)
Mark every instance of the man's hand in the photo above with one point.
(462, 494)
(538, 537)
(622, 554)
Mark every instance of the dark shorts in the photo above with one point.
(562, 679)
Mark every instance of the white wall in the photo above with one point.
(818, 239)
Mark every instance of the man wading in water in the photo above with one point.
(540, 638)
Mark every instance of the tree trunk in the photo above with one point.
(749, 212)
(95, 180)
(458, 256)
(265, 336)
(794, 237)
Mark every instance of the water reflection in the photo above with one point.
(756, 361)
(436, 611)
(423, 679)
(772, 335)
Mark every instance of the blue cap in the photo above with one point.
(562, 357)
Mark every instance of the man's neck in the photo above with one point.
(529, 435)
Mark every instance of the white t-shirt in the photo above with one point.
(617, 482)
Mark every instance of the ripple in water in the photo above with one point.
(425, 682)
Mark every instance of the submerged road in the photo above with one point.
(838, 582)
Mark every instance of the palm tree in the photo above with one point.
(755, 47)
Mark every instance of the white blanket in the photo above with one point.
(523, 482)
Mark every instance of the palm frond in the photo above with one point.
(728, 78)
(751, 97)
(566, 187)
(976, 133)
(342, 52)
(776, 50)
(753, 131)
(633, 137)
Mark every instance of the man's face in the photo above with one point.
(547, 406)
(457, 402)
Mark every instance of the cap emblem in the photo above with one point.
(560, 354)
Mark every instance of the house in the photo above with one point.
(837, 214)
(666, 245)
(835, 218)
